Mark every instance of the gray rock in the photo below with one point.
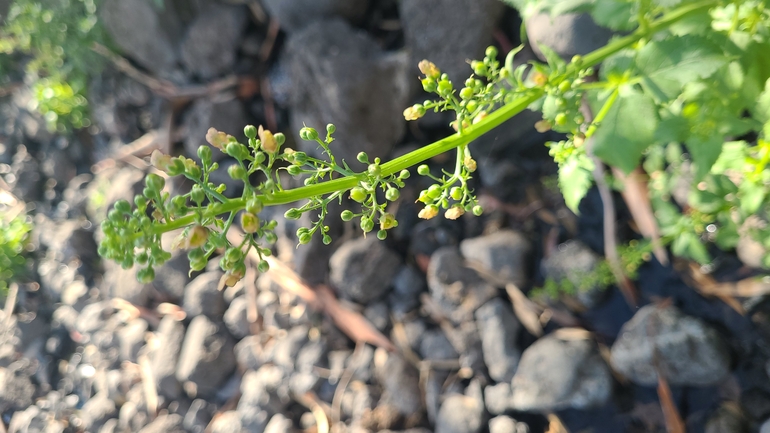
(566, 34)
(164, 358)
(765, 428)
(202, 296)
(573, 261)
(460, 414)
(504, 253)
(167, 423)
(400, 383)
(279, 424)
(16, 388)
(263, 394)
(362, 269)
(207, 358)
(443, 44)
(249, 354)
(96, 411)
(111, 426)
(287, 348)
(34, 420)
(506, 424)
(135, 27)
(236, 318)
(407, 286)
(499, 331)
(688, 351)
(295, 15)
(457, 289)
(497, 398)
(131, 338)
(226, 422)
(556, 373)
(172, 277)
(337, 73)
(210, 45)
(122, 283)
(728, 419)
(435, 346)
(228, 116)
(377, 313)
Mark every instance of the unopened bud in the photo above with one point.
(429, 69)
(217, 139)
(269, 144)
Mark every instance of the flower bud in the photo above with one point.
(454, 212)
(428, 212)
(308, 134)
(263, 266)
(491, 52)
(382, 235)
(358, 194)
(392, 194)
(155, 182)
(414, 112)
(269, 143)
(478, 210)
(470, 164)
(249, 222)
(367, 225)
(250, 131)
(254, 206)
(423, 170)
(429, 85)
(429, 69)
(217, 139)
(293, 214)
(236, 172)
(363, 158)
(347, 215)
(160, 161)
(330, 129)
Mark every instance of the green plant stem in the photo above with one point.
(602, 113)
(453, 141)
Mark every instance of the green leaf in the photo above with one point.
(704, 151)
(687, 244)
(614, 14)
(762, 107)
(751, 196)
(575, 179)
(669, 64)
(554, 60)
(617, 65)
(626, 131)
(733, 157)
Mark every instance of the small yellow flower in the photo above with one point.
(196, 237)
(470, 164)
(414, 112)
(217, 139)
(388, 221)
(429, 69)
(268, 140)
(160, 160)
(454, 212)
(428, 212)
(542, 126)
(249, 222)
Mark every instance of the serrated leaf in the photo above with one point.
(574, 181)
(669, 64)
(626, 131)
(614, 67)
(672, 129)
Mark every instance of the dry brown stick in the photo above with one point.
(272, 34)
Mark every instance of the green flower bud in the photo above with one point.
(146, 275)
(392, 194)
(204, 153)
(140, 201)
(308, 134)
(279, 138)
(254, 205)
(444, 88)
(479, 68)
(423, 170)
(358, 194)
(565, 86)
(577, 60)
(293, 214)
(198, 264)
(347, 215)
(305, 238)
(250, 131)
(367, 225)
(429, 85)
(434, 191)
(263, 266)
(478, 210)
(330, 129)
(155, 182)
(456, 193)
(491, 52)
(233, 255)
(466, 93)
(259, 157)
(197, 195)
(561, 119)
(294, 170)
(382, 235)
(123, 206)
(363, 158)
(374, 170)
(236, 172)
(249, 222)
(404, 174)
(327, 239)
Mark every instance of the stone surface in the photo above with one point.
(435, 346)
(445, 45)
(504, 253)
(499, 331)
(572, 261)
(297, 14)
(227, 116)
(131, 339)
(202, 296)
(163, 359)
(340, 75)
(16, 388)
(135, 27)
(408, 284)
(497, 398)
(209, 47)
(460, 414)
(226, 422)
(506, 424)
(96, 411)
(263, 394)
(169, 423)
(567, 34)
(561, 373)
(235, 318)
(400, 382)
(207, 358)
(456, 289)
(362, 269)
(688, 351)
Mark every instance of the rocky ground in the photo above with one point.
(460, 348)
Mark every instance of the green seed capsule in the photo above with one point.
(423, 170)
(294, 170)
(374, 170)
(392, 194)
(146, 275)
(358, 194)
(305, 238)
(346, 215)
(367, 225)
(478, 210)
(263, 266)
(293, 214)
(382, 235)
(236, 172)
(155, 182)
(456, 193)
(327, 239)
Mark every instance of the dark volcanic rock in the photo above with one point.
(296, 15)
(567, 34)
(202, 296)
(164, 358)
(362, 269)
(499, 331)
(207, 358)
(210, 45)
(504, 253)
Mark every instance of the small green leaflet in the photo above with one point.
(669, 64)
(574, 180)
(626, 131)
(762, 109)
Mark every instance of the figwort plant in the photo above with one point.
(684, 95)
